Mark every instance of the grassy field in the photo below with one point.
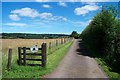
(56, 54)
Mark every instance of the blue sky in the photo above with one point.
(48, 17)
(59, 0)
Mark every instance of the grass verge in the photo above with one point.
(101, 61)
(37, 71)
(112, 75)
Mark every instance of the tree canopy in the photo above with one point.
(103, 34)
(74, 34)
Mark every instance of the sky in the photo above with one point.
(60, 0)
(48, 17)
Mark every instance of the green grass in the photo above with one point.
(53, 60)
(101, 61)
(112, 75)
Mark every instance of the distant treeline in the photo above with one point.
(31, 36)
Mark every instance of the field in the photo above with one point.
(15, 43)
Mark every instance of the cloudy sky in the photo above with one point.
(48, 17)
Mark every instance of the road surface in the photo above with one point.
(77, 63)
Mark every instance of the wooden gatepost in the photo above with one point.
(22, 53)
(9, 64)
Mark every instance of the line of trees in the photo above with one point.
(103, 34)
(32, 36)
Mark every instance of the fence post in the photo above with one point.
(64, 40)
(56, 42)
(61, 41)
(9, 59)
(50, 45)
(24, 55)
(44, 54)
(19, 56)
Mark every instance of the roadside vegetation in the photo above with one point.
(102, 38)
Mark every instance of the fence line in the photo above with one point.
(22, 53)
(56, 43)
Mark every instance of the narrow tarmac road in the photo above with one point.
(77, 64)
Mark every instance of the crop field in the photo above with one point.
(15, 43)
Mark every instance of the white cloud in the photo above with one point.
(32, 13)
(73, 0)
(46, 6)
(91, 0)
(14, 17)
(95, 0)
(65, 19)
(57, 0)
(85, 9)
(42, 0)
(28, 12)
(45, 15)
(90, 3)
(60, 0)
(63, 4)
(77, 0)
(49, 16)
(59, 18)
(16, 24)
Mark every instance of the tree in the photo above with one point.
(103, 34)
(74, 34)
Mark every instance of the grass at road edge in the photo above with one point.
(112, 75)
(57, 56)
(37, 71)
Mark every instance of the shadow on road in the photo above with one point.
(81, 50)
